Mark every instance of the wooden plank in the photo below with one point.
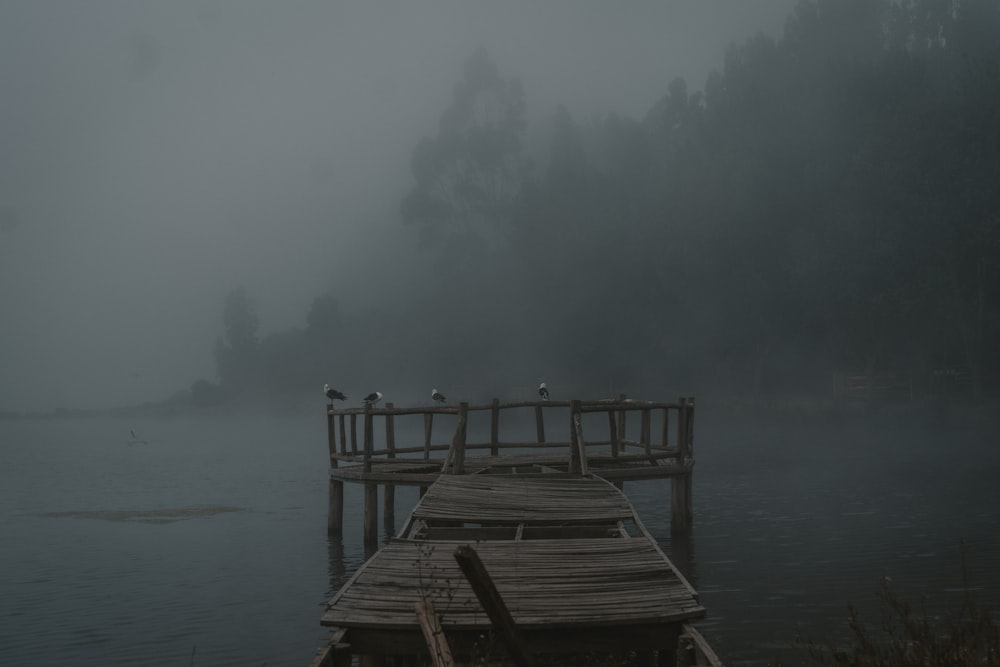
(547, 584)
(491, 600)
(437, 643)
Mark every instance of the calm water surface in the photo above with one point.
(207, 544)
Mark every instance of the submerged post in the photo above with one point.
(335, 509)
(680, 485)
(335, 505)
(371, 488)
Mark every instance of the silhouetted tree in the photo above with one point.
(470, 174)
(236, 355)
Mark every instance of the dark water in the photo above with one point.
(207, 545)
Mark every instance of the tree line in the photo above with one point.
(827, 202)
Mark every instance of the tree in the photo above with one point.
(470, 174)
(236, 351)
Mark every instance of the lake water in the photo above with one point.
(207, 544)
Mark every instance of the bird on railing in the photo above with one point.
(437, 396)
(371, 399)
(333, 393)
(543, 391)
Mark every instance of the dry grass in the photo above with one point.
(909, 636)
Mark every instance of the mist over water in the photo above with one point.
(157, 155)
(126, 550)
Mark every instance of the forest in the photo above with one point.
(827, 202)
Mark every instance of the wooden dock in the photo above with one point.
(599, 438)
(568, 555)
(531, 541)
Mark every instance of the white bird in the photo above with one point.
(543, 391)
(371, 399)
(437, 396)
(333, 393)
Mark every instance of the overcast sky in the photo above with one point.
(156, 154)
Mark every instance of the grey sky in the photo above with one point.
(154, 155)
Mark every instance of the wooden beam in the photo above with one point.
(437, 643)
(489, 597)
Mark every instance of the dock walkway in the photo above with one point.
(569, 556)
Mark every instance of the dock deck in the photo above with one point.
(569, 556)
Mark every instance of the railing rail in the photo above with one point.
(342, 432)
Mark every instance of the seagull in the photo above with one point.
(543, 391)
(371, 399)
(437, 396)
(333, 393)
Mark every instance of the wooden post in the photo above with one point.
(495, 427)
(613, 431)
(579, 445)
(335, 510)
(622, 432)
(428, 425)
(343, 435)
(644, 436)
(574, 445)
(615, 444)
(666, 428)
(331, 432)
(680, 491)
(690, 455)
(539, 424)
(389, 490)
(369, 442)
(682, 437)
(354, 434)
(458, 441)
(430, 625)
(486, 591)
(371, 518)
(690, 427)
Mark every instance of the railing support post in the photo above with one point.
(389, 490)
(458, 443)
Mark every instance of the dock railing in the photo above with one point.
(619, 440)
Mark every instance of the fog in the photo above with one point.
(154, 156)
